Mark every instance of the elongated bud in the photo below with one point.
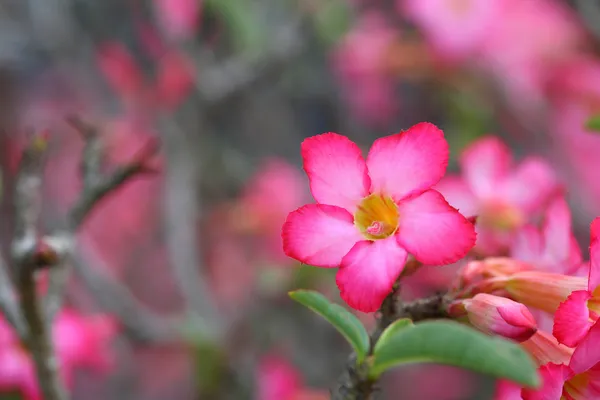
(492, 267)
(544, 349)
(542, 290)
(500, 316)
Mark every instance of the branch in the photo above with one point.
(354, 384)
(139, 322)
(96, 185)
(220, 80)
(30, 253)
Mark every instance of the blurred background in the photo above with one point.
(187, 263)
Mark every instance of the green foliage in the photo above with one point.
(345, 322)
(593, 123)
(242, 21)
(450, 343)
(392, 330)
(332, 20)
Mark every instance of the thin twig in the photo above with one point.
(96, 186)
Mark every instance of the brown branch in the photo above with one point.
(29, 252)
(354, 383)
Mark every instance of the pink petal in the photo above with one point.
(456, 192)
(368, 273)
(433, 231)
(572, 319)
(532, 183)
(485, 163)
(409, 162)
(594, 276)
(319, 235)
(554, 377)
(587, 353)
(507, 390)
(527, 245)
(277, 379)
(557, 231)
(336, 170)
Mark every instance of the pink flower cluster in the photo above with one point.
(522, 277)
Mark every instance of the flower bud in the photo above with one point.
(500, 316)
(542, 290)
(544, 348)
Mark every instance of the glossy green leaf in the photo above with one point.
(593, 124)
(394, 328)
(345, 322)
(450, 343)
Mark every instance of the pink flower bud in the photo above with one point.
(544, 348)
(542, 290)
(500, 316)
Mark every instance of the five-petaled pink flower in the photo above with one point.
(503, 196)
(370, 214)
(576, 315)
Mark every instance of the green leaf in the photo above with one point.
(448, 342)
(345, 322)
(593, 123)
(394, 328)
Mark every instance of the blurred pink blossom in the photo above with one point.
(503, 196)
(359, 65)
(575, 97)
(456, 29)
(527, 40)
(179, 19)
(415, 383)
(174, 80)
(279, 380)
(80, 342)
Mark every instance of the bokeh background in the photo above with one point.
(231, 88)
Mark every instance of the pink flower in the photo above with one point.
(370, 215)
(526, 41)
(499, 316)
(80, 342)
(554, 247)
(120, 70)
(415, 383)
(276, 189)
(580, 310)
(279, 380)
(503, 196)
(580, 379)
(178, 18)
(358, 62)
(455, 28)
(174, 79)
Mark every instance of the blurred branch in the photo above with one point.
(354, 384)
(29, 253)
(96, 185)
(182, 238)
(219, 80)
(140, 323)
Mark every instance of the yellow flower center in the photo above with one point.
(500, 216)
(377, 217)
